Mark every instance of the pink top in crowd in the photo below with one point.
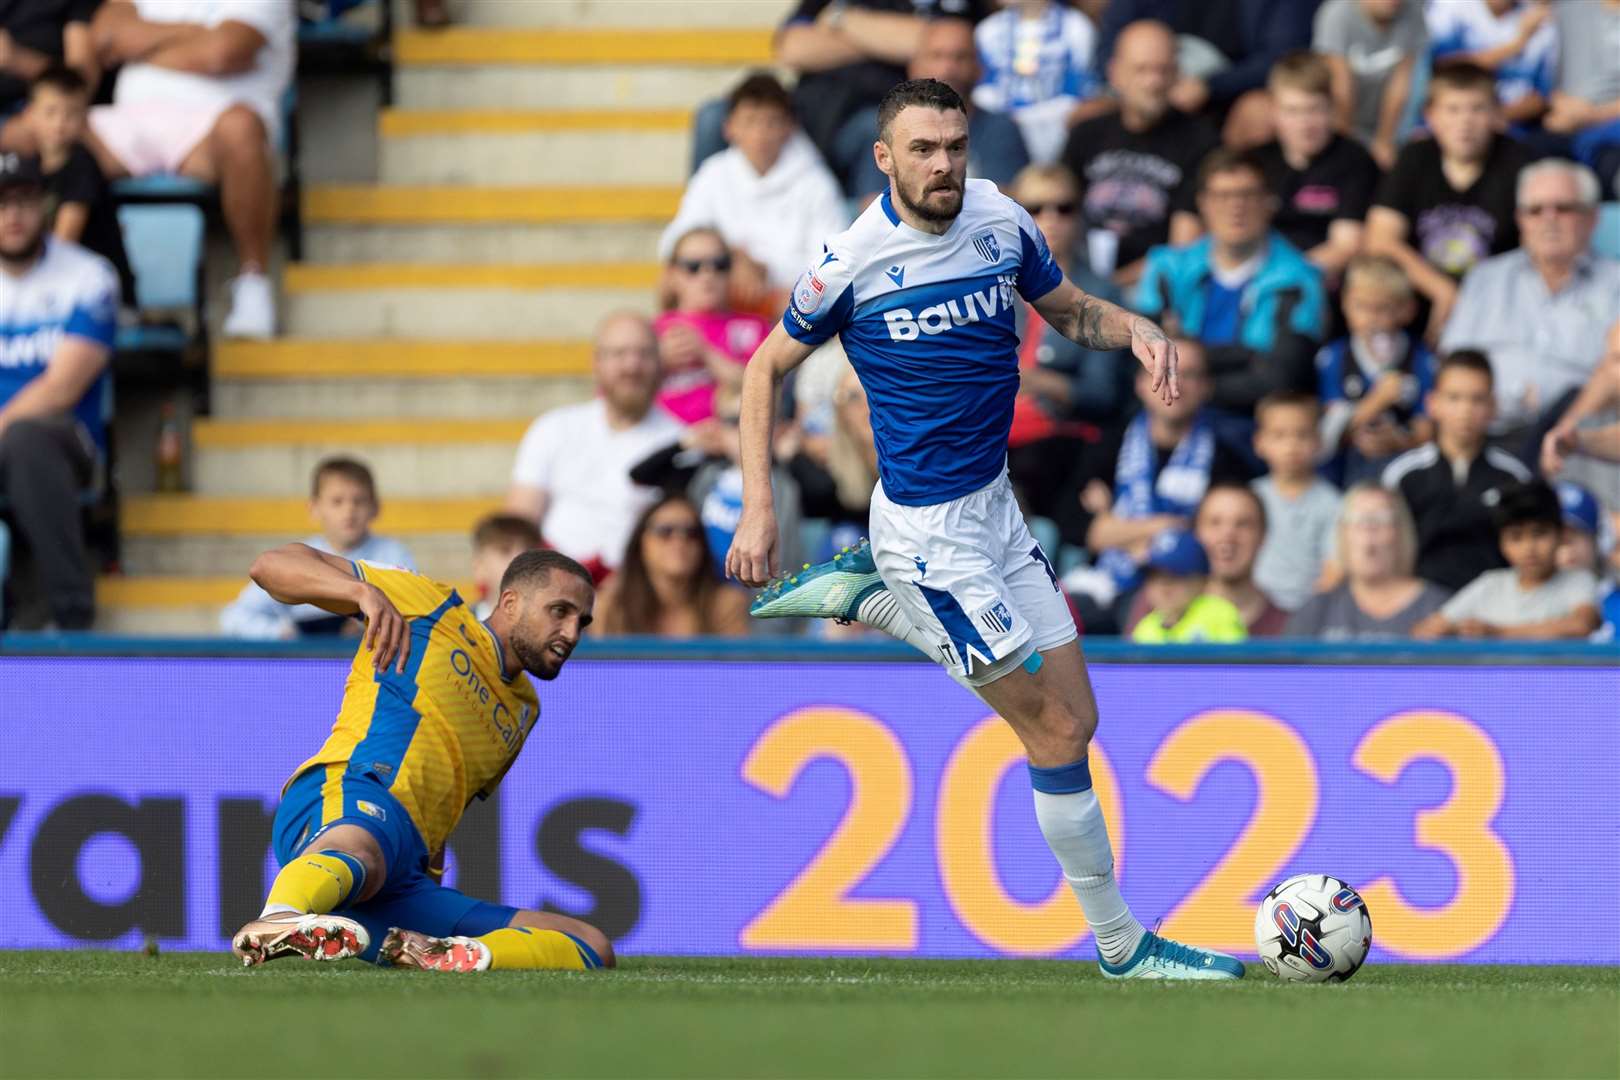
(688, 393)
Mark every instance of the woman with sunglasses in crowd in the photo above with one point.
(667, 584)
(702, 343)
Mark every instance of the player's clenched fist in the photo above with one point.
(388, 636)
(752, 558)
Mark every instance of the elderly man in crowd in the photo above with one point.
(572, 473)
(1540, 311)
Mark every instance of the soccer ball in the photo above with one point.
(1313, 928)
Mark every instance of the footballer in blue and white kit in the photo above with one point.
(922, 292)
(929, 324)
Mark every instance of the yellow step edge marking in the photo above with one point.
(172, 591)
(368, 204)
(247, 434)
(190, 515)
(299, 360)
(500, 45)
(325, 277)
(406, 123)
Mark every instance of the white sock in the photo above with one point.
(272, 910)
(1075, 831)
(881, 611)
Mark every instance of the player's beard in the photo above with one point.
(537, 658)
(949, 183)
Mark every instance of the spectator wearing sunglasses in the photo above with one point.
(667, 584)
(1064, 390)
(702, 343)
(769, 195)
(1540, 311)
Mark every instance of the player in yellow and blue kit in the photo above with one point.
(435, 709)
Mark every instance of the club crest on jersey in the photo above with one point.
(809, 293)
(371, 809)
(985, 244)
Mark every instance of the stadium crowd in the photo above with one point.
(1369, 224)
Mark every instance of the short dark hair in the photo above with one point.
(534, 568)
(924, 93)
(1237, 488)
(1225, 159)
(62, 79)
(1532, 502)
(1460, 75)
(1466, 360)
(1286, 399)
(506, 529)
(348, 468)
(759, 88)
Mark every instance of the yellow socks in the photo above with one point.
(318, 882)
(517, 947)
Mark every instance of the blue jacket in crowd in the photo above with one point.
(1284, 297)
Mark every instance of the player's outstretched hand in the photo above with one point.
(388, 636)
(1158, 354)
(752, 558)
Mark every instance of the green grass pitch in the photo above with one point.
(122, 1014)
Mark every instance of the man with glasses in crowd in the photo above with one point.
(1542, 310)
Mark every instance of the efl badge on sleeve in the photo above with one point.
(809, 293)
(985, 244)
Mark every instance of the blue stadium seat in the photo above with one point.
(1606, 241)
(165, 242)
(165, 245)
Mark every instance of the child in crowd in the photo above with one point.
(1532, 599)
(1451, 484)
(1037, 66)
(702, 344)
(1590, 543)
(1323, 181)
(769, 194)
(1373, 382)
(1176, 573)
(343, 503)
(1372, 47)
(496, 541)
(1449, 201)
(1516, 40)
(1302, 509)
(54, 124)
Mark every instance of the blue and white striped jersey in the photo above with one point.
(68, 291)
(929, 322)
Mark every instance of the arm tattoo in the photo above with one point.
(1089, 328)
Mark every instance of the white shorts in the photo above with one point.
(969, 575)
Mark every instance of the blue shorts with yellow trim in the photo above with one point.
(328, 795)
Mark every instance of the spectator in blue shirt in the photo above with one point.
(1248, 295)
(58, 313)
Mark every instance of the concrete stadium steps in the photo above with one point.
(542, 146)
(197, 536)
(402, 378)
(498, 242)
(339, 204)
(630, 14)
(502, 67)
(411, 458)
(468, 301)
